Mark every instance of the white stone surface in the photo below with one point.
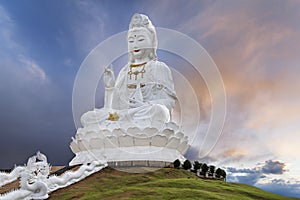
(6, 178)
(117, 147)
(173, 142)
(96, 143)
(74, 147)
(183, 147)
(142, 140)
(131, 154)
(36, 183)
(159, 141)
(143, 97)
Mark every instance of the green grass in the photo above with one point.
(166, 183)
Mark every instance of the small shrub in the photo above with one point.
(187, 165)
(176, 164)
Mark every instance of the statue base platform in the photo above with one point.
(123, 155)
(131, 146)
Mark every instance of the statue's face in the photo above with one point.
(139, 43)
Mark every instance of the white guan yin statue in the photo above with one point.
(135, 123)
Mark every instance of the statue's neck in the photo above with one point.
(142, 60)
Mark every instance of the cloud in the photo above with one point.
(255, 46)
(32, 67)
(253, 175)
(86, 35)
(6, 33)
(10, 50)
(68, 62)
(261, 176)
(283, 187)
(245, 176)
(30, 102)
(250, 179)
(273, 167)
(247, 171)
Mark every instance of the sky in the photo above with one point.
(254, 43)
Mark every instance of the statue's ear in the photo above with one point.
(152, 55)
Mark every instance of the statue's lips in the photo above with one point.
(137, 50)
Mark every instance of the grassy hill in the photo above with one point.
(166, 183)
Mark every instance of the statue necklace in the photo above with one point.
(136, 73)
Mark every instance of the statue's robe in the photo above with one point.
(155, 89)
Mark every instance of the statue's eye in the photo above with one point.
(130, 41)
(142, 39)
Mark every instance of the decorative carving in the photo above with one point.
(113, 116)
(35, 182)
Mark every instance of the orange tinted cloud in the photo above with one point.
(256, 47)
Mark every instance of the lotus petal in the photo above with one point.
(173, 142)
(182, 148)
(126, 141)
(96, 143)
(159, 141)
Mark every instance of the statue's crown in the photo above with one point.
(140, 21)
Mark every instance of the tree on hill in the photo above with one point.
(219, 173)
(187, 165)
(176, 164)
(224, 174)
(204, 169)
(211, 170)
(197, 166)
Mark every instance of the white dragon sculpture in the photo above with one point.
(36, 183)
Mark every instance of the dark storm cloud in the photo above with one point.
(35, 110)
(273, 167)
(247, 171)
(252, 175)
(280, 186)
(269, 167)
(250, 179)
(245, 176)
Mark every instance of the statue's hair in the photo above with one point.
(140, 21)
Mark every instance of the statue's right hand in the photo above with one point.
(108, 77)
